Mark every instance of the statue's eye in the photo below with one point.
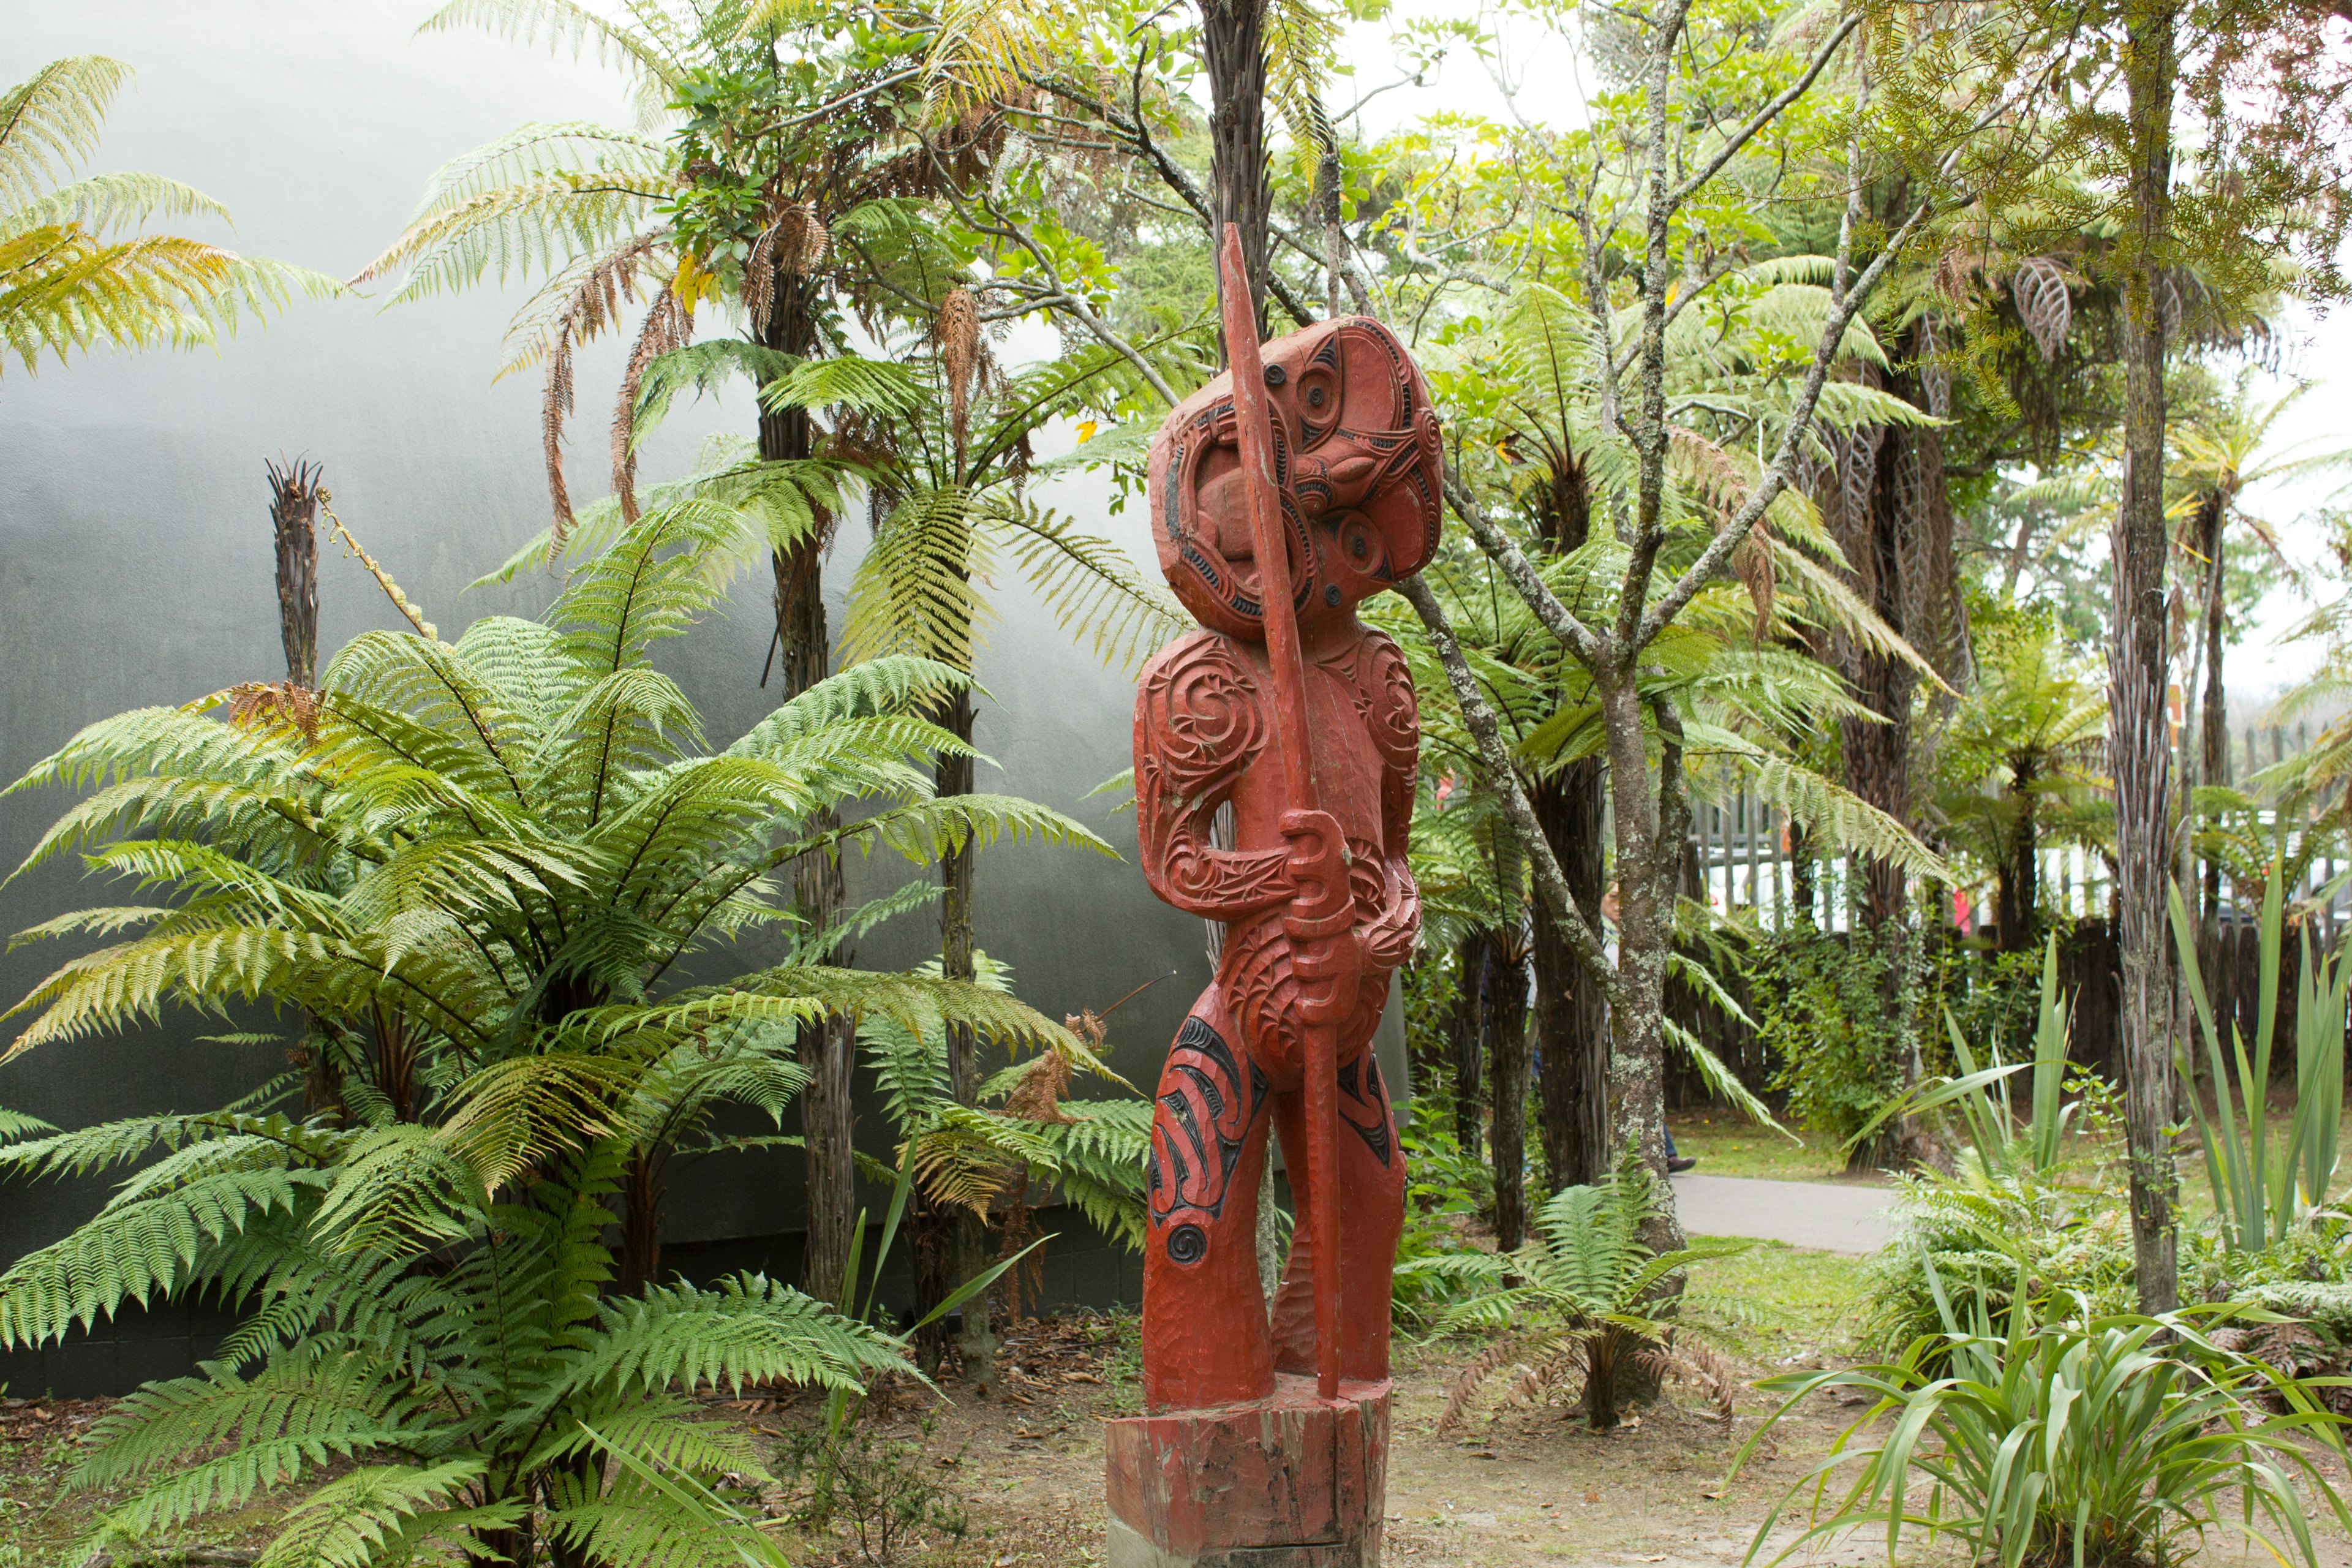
(1359, 547)
(1315, 396)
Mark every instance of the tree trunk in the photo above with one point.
(294, 519)
(1871, 520)
(1571, 1014)
(1651, 828)
(641, 1199)
(827, 1047)
(974, 1254)
(2137, 666)
(1801, 876)
(1232, 48)
(2018, 899)
(1473, 959)
(2213, 762)
(1507, 1025)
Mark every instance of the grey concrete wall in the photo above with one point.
(136, 565)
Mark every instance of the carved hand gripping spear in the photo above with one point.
(1326, 960)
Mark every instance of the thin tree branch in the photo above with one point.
(1520, 573)
(1766, 115)
(1784, 462)
(1551, 883)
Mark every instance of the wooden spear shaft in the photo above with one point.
(1254, 432)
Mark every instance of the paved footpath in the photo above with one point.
(1817, 1214)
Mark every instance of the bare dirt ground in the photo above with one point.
(1025, 1464)
(1535, 1487)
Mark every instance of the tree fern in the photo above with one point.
(473, 874)
(65, 285)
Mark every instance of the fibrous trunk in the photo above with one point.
(1506, 1030)
(294, 519)
(827, 1046)
(641, 1198)
(1571, 1015)
(1473, 958)
(1232, 48)
(2018, 887)
(2136, 668)
(2214, 759)
(954, 776)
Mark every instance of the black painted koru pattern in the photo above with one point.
(1204, 1116)
(1371, 1121)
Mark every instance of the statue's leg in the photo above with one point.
(1204, 1327)
(1369, 1169)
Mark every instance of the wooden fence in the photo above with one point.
(1740, 852)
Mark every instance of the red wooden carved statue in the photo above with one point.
(1318, 453)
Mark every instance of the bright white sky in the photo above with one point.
(2319, 348)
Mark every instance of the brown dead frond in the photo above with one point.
(2044, 303)
(957, 331)
(793, 242)
(593, 308)
(1694, 1365)
(1471, 1379)
(669, 324)
(276, 707)
(1043, 1086)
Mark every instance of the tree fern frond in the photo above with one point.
(929, 830)
(383, 1512)
(50, 123)
(102, 202)
(747, 1329)
(1089, 585)
(912, 592)
(1836, 816)
(563, 24)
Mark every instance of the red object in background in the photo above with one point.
(1320, 456)
(1961, 909)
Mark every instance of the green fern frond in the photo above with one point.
(1089, 586)
(747, 1329)
(379, 1513)
(912, 592)
(51, 121)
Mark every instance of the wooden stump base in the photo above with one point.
(1283, 1483)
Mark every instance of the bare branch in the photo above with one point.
(1718, 549)
(1551, 883)
(1766, 115)
(1520, 573)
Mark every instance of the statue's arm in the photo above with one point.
(1396, 734)
(1199, 722)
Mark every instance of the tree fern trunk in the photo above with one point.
(1509, 1032)
(804, 648)
(1233, 48)
(1571, 1015)
(1473, 957)
(294, 519)
(2213, 760)
(2137, 663)
(2018, 888)
(954, 776)
(641, 1197)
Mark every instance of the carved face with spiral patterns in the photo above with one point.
(1358, 466)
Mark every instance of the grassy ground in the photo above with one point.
(1729, 1144)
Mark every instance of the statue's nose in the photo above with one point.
(1323, 485)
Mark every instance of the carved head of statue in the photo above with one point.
(1357, 463)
